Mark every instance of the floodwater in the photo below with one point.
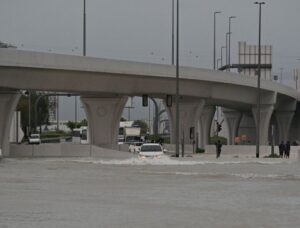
(149, 193)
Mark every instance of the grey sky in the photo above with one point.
(141, 29)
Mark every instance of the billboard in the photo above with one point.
(248, 60)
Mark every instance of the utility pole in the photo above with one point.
(258, 83)
(173, 13)
(216, 12)
(177, 83)
(229, 33)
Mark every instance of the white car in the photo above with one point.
(34, 139)
(151, 150)
(135, 147)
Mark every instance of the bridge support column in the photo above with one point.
(205, 122)
(284, 114)
(8, 104)
(189, 113)
(103, 118)
(233, 119)
(266, 111)
(284, 120)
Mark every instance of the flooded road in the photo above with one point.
(147, 193)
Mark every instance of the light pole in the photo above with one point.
(258, 82)
(229, 33)
(57, 113)
(226, 47)
(177, 82)
(222, 55)
(173, 8)
(84, 27)
(215, 13)
(83, 49)
(29, 112)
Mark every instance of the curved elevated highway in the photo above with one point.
(104, 86)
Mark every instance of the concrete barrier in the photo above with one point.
(86, 150)
(65, 150)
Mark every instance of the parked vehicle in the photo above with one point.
(135, 147)
(34, 139)
(151, 150)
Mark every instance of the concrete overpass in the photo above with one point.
(104, 86)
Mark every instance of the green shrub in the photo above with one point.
(200, 150)
(213, 140)
(54, 134)
(155, 138)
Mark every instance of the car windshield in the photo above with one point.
(34, 136)
(151, 148)
(139, 144)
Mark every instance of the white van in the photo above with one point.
(34, 139)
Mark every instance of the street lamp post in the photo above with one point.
(83, 49)
(226, 47)
(216, 12)
(222, 55)
(173, 7)
(84, 27)
(29, 112)
(258, 82)
(177, 83)
(229, 33)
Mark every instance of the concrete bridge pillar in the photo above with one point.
(284, 120)
(8, 104)
(104, 118)
(189, 112)
(205, 122)
(284, 114)
(233, 119)
(266, 111)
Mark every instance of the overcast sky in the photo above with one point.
(140, 30)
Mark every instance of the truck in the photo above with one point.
(128, 133)
(132, 134)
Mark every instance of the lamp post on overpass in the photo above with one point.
(222, 55)
(229, 33)
(258, 82)
(226, 47)
(215, 13)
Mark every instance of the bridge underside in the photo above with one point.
(104, 110)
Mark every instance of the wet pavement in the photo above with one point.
(166, 192)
